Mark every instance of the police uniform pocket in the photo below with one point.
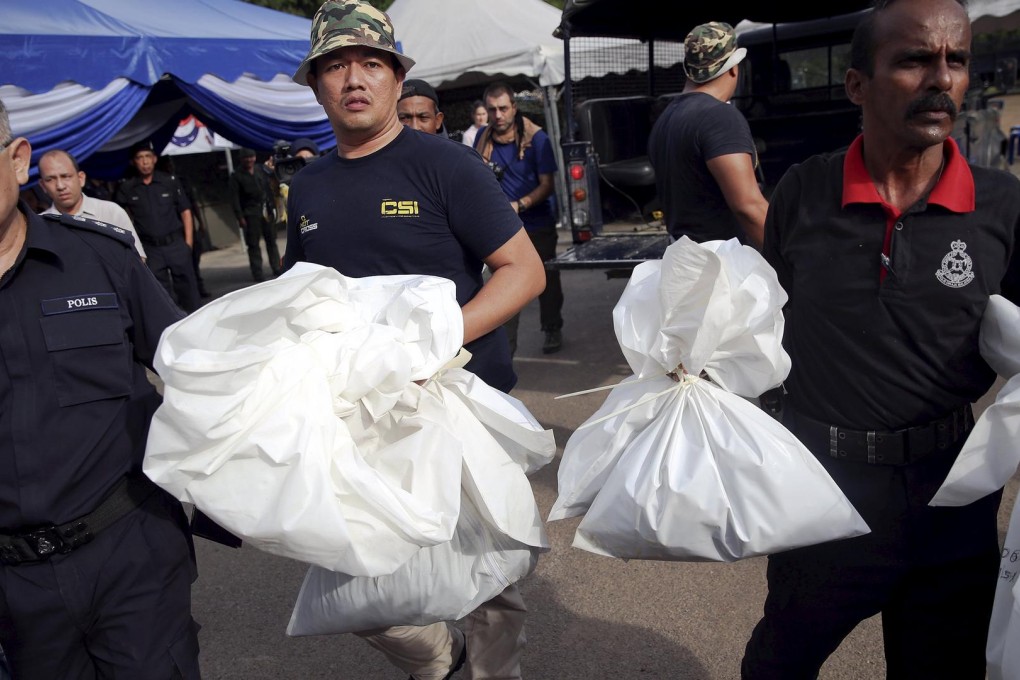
(89, 354)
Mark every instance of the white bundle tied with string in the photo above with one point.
(679, 467)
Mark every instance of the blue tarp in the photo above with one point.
(47, 44)
(91, 42)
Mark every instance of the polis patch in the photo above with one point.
(79, 303)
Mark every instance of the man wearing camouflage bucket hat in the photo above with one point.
(702, 150)
(392, 201)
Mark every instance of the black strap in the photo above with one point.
(897, 447)
(41, 543)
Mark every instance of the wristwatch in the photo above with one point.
(521, 205)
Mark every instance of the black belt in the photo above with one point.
(41, 543)
(899, 447)
(162, 240)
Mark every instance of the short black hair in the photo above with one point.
(862, 45)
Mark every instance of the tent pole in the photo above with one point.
(552, 121)
(230, 171)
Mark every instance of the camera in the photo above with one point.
(285, 165)
(497, 169)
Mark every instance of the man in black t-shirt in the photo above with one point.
(392, 200)
(702, 150)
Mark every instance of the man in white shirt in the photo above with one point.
(62, 180)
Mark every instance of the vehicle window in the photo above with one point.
(811, 68)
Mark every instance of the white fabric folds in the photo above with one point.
(991, 454)
(676, 467)
(1002, 651)
(291, 417)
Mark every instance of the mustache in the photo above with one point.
(936, 101)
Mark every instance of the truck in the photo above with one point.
(790, 91)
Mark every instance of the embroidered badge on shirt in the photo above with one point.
(78, 303)
(956, 267)
(304, 226)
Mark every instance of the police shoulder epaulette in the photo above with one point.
(89, 224)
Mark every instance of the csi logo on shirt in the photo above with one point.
(391, 208)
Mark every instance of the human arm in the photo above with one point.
(518, 277)
(234, 187)
(189, 228)
(537, 195)
(734, 173)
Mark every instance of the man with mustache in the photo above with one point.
(889, 252)
(63, 181)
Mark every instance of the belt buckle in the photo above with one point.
(46, 542)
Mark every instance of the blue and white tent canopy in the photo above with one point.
(78, 74)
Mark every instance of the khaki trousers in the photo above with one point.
(495, 642)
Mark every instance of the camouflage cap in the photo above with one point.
(348, 23)
(710, 50)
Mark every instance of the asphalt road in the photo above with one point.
(590, 617)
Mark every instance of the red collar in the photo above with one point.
(954, 190)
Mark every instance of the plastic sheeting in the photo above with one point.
(674, 466)
(991, 454)
(291, 418)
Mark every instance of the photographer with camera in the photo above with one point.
(287, 159)
(520, 154)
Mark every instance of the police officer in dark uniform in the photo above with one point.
(161, 214)
(252, 200)
(96, 562)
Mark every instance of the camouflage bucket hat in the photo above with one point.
(347, 23)
(710, 50)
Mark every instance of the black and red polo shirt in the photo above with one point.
(885, 307)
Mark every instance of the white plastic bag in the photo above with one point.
(291, 419)
(712, 477)
(1003, 648)
(991, 454)
(674, 467)
(444, 582)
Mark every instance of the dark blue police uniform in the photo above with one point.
(96, 563)
(155, 210)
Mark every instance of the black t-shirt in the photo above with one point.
(695, 128)
(883, 351)
(421, 205)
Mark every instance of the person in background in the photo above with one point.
(418, 108)
(702, 150)
(63, 181)
(521, 156)
(479, 119)
(306, 148)
(252, 201)
(201, 243)
(460, 222)
(161, 213)
(98, 188)
(889, 252)
(96, 561)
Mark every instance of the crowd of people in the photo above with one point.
(888, 252)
